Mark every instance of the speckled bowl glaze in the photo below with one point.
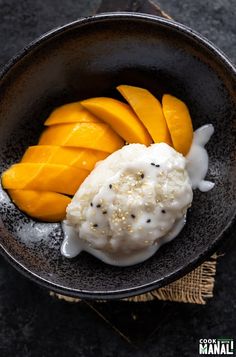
(88, 58)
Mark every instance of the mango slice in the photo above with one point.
(80, 158)
(120, 117)
(46, 177)
(149, 110)
(43, 205)
(86, 135)
(71, 113)
(179, 123)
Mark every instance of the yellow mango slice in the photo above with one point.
(43, 205)
(85, 135)
(120, 117)
(149, 110)
(179, 123)
(44, 177)
(71, 156)
(71, 113)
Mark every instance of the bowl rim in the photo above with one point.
(200, 258)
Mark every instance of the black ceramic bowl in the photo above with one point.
(90, 57)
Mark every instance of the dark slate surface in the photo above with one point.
(34, 324)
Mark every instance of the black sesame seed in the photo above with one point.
(157, 165)
(163, 211)
(95, 225)
(142, 176)
(152, 163)
(132, 215)
(104, 212)
(98, 206)
(91, 204)
(148, 220)
(110, 186)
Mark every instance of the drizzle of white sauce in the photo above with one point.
(197, 159)
(31, 233)
(72, 246)
(197, 167)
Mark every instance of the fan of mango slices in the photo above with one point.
(77, 135)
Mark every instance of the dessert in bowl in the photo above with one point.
(36, 246)
(134, 200)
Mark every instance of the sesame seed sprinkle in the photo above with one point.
(163, 211)
(148, 220)
(98, 206)
(91, 204)
(156, 165)
(133, 215)
(110, 186)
